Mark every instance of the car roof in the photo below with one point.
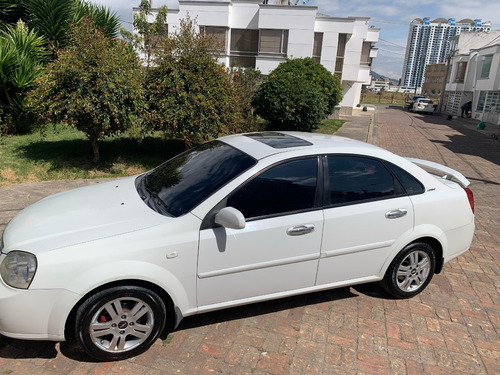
(263, 144)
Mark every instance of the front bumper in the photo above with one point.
(34, 314)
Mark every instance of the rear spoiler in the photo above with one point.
(449, 173)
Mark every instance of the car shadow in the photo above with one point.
(24, 349)
(469, 141)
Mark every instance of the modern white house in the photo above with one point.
(262, 34)
(475, 75)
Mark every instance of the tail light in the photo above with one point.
(470, 197)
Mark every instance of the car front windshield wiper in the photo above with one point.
(154, 200)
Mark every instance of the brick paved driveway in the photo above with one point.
(450, 328)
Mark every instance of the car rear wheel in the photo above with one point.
(411, 271)
(119, 322)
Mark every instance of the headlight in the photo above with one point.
(18, 269)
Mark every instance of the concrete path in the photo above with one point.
(451, 328)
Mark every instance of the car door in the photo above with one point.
(368, 211)
(278, 250)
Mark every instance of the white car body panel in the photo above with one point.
(90, 237)
(353, 247)
(81, 215)
(259, 259)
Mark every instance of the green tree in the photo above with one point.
(94, 85)
(22, 54)
(148, 35)
(297, 95)
(190, 95)
(245, 82)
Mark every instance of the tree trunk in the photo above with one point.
(95, 149)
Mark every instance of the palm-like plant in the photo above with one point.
(22, 54)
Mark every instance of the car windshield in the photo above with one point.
(180, 184)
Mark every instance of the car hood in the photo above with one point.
(80, 215)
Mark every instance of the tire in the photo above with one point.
(410, 271)
(119, 322)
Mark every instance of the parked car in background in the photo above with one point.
(409, 103)
(241, 219)
(423, 105)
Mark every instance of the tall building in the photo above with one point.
(428, 43)
(262, 34)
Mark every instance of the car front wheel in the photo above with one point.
(119, 322)
(411, 271)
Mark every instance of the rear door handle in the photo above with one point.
(300, 230)
(400, 212)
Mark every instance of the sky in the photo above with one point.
(392, 17)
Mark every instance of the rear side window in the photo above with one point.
(411, 185)
(357, 179)
(284, 188)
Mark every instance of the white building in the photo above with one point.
(428, 43)
(262, 34)
(475, 75)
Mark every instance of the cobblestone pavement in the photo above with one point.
(450, 328)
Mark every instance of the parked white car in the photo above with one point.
(241, 219)
(423, 105)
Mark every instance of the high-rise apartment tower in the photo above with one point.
(428, 43)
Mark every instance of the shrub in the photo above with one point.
(297, 95)
(190, 95)
(95, 85)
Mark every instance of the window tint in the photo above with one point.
(410, 183)
(181, 183)
(354, 179)
(287, 187)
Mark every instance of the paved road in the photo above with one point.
(451, 328)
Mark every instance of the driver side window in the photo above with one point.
(284, 188)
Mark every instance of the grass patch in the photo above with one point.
(329, 126)
(64, 153)
(168, 340)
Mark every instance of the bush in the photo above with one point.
(94, 85)
(297, 95)
(191, 96)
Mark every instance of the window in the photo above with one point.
(244, 47)
(285, 188)
(480, 101)
(411, 185)
(217, 33)
(180, 184)
(356, 179)
(339, 62)
(273, 42)
(365, 54)
(460, 75)
(317, 46)
(486, 66)
(244, 41)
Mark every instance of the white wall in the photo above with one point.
(301, 22)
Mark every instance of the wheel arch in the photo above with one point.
(172, 314)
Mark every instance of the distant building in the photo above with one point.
(428, 43)
(434, 80)
(262, 34)
(475, 75)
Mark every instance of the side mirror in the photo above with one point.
(230, 217)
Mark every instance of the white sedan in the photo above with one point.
(241, 219)
(423, 105)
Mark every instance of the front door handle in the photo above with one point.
(400, 212)
(300, 230)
